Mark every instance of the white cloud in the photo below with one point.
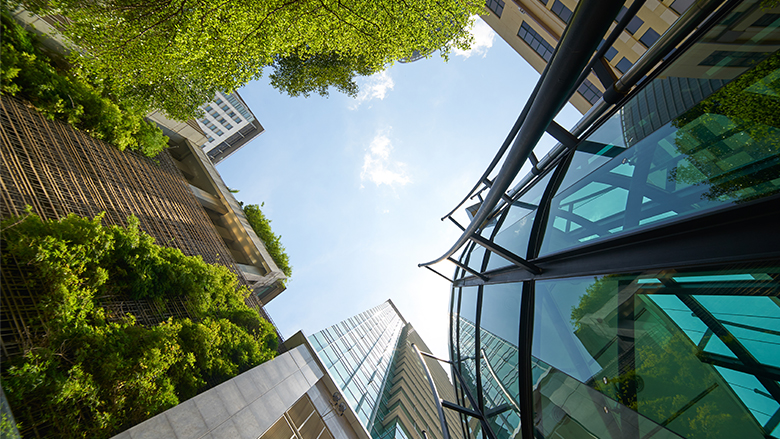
(483, 40)
(375, 86)
(379, 168)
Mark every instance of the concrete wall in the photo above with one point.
(243, 407)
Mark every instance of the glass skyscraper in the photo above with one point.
(628, 287)
(371, 359)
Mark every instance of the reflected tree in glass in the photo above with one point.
(731, 139)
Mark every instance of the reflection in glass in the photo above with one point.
(499, 331)
(467, 338)
(646, 343)
(357, 353)
(699, 137)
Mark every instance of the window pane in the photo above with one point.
(516, 228)
(611, 52)
(634, 25)
(693, 144)
(500, 326)
(535, 41)
(497, 6)
(467, 337)
(623, 65)
(649, 38)
(633, 341)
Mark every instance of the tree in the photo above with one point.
(748, 111)
(30, 73)
(298, 75)
(176, 54)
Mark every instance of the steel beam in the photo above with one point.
(591, 20)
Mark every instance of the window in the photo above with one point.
(681, 6)
(589, 91)
(623, 65)
(620, 14)
(725, 58)
(634, 25)
(766, 20)
(610, 54)
(533, 39)
(649, 38)
(561, 11)
(497, 6)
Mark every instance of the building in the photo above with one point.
(228, 124)
(628, 286)
(199, 172)
(372, 361)
(534, 27)
(291, 396)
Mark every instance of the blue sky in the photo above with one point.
(357, 187)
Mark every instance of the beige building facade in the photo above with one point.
(534, 27)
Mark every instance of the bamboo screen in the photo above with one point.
(58, 170)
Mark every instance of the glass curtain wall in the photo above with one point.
(677, 351)
(358, 352)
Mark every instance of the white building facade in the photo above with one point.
(228, 124)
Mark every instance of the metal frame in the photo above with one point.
(591, 20)
(740, 233)
(441, 404)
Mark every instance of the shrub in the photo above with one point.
(27, 72)
(89, 374)
(262, 227)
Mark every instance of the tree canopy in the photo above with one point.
(30, 73)
(175, 54)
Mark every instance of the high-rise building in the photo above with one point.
(371, 359)
(534, 27)
(289, 397)
(228, 124)
(629, 286)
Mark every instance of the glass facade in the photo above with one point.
(357, 352)
(657, 310)
(371, 359)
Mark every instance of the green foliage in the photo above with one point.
(598, 294)
(748, 105)
(298, 76)
(89, 374)
(29, 73)
(176, 55)
(262, 226)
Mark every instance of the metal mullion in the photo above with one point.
(477, 347)
(543, 210)
(466, 268)
(436, 398)
(608, 42)
(562, 135)
(525, 340)
(506, 254)
(445, 277)
(591, 20)
(485, 427)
